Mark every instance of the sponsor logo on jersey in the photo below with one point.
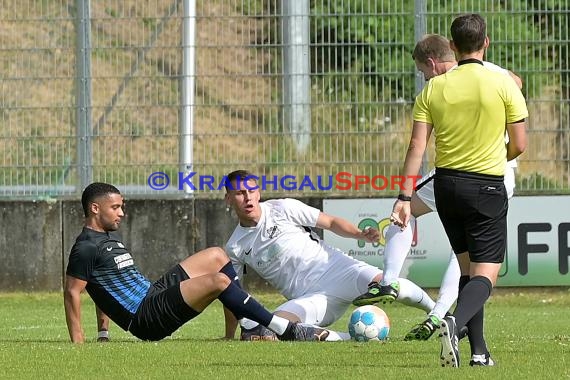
(271, 232)
(124, 260)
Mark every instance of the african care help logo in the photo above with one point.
(428, 237)
(382, 226)
(370, 250)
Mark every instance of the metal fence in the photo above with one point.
(295, 90)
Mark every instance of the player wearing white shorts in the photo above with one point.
(432, 56)
(274, 238)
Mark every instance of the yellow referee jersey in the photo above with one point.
(469, 108)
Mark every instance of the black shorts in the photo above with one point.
(163, 310)
(473, 210)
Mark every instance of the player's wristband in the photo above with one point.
(103, 334)
(404, 198)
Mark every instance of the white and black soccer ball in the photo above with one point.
(369, 323)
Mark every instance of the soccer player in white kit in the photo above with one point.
(274, 238)
(433, 57)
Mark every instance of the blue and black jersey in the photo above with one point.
(113, 281)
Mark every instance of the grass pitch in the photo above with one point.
(527, 331)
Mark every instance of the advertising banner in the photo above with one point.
(538, 248)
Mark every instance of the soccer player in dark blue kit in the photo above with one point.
(100, 263)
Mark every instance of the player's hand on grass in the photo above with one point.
(78, 337)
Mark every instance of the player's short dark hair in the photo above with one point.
(238, 176)
(468, 33)
(433, 46)
(94, 191)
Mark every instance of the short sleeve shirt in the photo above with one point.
(113, 281)
(280, 248)
(469, 108)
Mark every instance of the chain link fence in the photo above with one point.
(309, 94)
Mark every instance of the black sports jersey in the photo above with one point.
(113, 281)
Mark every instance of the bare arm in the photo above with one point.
(517, 139)
(421, 133)
(72, 304)
(102, 320)
(231, 324)
(516, 78)
(344, 228)
(102, 325)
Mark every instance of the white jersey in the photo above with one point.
(281, 250)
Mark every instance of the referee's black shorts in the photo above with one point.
(473, 210)
(163, 310)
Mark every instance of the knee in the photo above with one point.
(220, 282)
(214, 283)
(218, 255)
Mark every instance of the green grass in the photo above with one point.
(527, 332)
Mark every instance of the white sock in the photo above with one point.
(398, 244)
(247, 324)
(278, 325)
(335, 336)
(412, 295)
(449, 288)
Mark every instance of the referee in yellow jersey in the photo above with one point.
(468, 109)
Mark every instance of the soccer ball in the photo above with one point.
(368, 323)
